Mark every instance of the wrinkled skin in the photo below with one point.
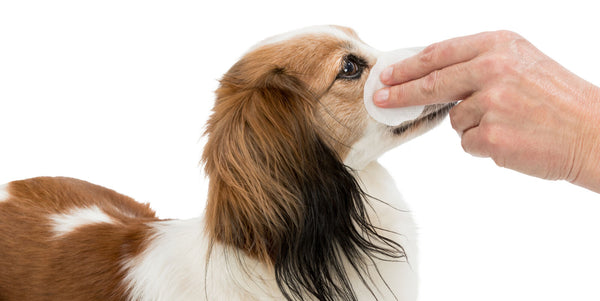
(521, 108)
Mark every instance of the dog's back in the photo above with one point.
(66, 239)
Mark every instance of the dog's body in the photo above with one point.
(285, 218)
(170, 266)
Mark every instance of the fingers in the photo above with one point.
(435, 57)
(443, 72)
(472, 143)
(446, 85)
(466, 115)
(467, 119)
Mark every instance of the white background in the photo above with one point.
(117, 93)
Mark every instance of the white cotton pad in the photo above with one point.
(391, 116)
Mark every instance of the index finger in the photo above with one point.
(440, 86)
(435, 57)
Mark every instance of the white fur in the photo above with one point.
(4, 192)
(174, 267)
(376, 140)
(325, 30)
(175, 264)
(322, 30)
(65, 223)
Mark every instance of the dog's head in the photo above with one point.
(288, 121)
(333, 64)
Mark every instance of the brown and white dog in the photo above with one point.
(298, 207)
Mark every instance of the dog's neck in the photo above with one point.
(176, 265)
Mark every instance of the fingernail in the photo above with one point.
(386, 74)
(381, 97)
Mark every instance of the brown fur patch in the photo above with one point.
(250, 133)
(85, 264)
(267, 103)
(342, 114)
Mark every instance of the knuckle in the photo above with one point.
(429, 55)
(457, 118)
(472, 145)
(430, 83)
(522, 45)
(491, 137)
(486, 133)
(397, 92)
(488, 141)
(434, 53)
(453, 115)
(465, 144)
(490, 98)
(486, 66)
(500, 161)
(456, 125)
(497, 64)
(505, 36)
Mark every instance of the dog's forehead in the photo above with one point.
(313, 30)
(336, 32)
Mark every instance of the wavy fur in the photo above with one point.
(280, 193)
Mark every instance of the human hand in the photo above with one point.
(519, 107)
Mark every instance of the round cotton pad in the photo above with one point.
(391, 116)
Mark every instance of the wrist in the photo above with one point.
(588, 173)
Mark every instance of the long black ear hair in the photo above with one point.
(280, 193)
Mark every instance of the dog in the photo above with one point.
(298, 207)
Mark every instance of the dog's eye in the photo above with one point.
(349, 69)
(352, 68)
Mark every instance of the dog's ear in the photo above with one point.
(255, 156)
(279, 192)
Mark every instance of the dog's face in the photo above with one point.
(334, 64)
